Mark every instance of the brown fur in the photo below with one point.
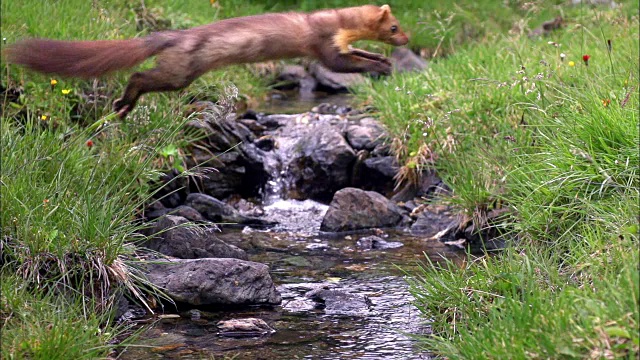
(184, 55)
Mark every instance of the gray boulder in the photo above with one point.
(218, 211)
(171, 237)
(333, 81)
(354, 209)
(215, 282)
(366, 135)
(248, 327)
(429, 223)
(376, 243)
(404, 60)
(323, 163)
(225, 145)
(339, 302)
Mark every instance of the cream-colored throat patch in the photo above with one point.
(344, 37)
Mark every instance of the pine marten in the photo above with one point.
(184, 55)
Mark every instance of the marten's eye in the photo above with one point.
(394, 29)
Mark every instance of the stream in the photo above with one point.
(301, 259)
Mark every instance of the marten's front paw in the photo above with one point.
(381, 68)
(371, 56)
(121, 108)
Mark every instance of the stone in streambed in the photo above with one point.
(215, 282)
(355, 209)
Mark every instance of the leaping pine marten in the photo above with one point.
(184, 55)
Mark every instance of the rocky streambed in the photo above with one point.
(341, 298)
(284, 241)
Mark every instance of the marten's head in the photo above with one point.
(388, 28)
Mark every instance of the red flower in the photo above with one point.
(586, 58)
(89, 143)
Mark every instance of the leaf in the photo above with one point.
(169, 150)
(53, 234)
(616, 331)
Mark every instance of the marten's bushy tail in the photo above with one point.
(83, 59)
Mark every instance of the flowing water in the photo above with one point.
(301, 259)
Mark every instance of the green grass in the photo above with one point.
(501, 117)
(71, 189)
(509, 123)
(69, 229)
(31, 330)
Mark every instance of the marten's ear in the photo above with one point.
(385, 11)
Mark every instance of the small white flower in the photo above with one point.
(562, 56)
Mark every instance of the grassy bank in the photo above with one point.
(72, 182)
(547, 127)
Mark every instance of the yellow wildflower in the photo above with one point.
(571, 63)
(66, 91)
(54, 82)
(43, 117)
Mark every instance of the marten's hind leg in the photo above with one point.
(144, 82)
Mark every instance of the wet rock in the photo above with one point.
(297, 261)
(299, 305)
(365, 136)
(272, 122)
(429, 223)
(266, 143)
(172, 189)
(377, 243)
(253, 125)
(428, 186)
(246, 208)
(295, 76)
(296, 216)
(155, 210)
(354, 209)
(218, 211)
(248, 327)
(187, 212)
(339, 302)
(297, 297)
(226, 146)
(404, 60)
(317, 246)
(215, 282)
(290, 77)
(378, 174)
(333, 109)
(171, 237)
(334, 82)
(323, 163)
(249, 115)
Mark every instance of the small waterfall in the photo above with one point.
(292, 215)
